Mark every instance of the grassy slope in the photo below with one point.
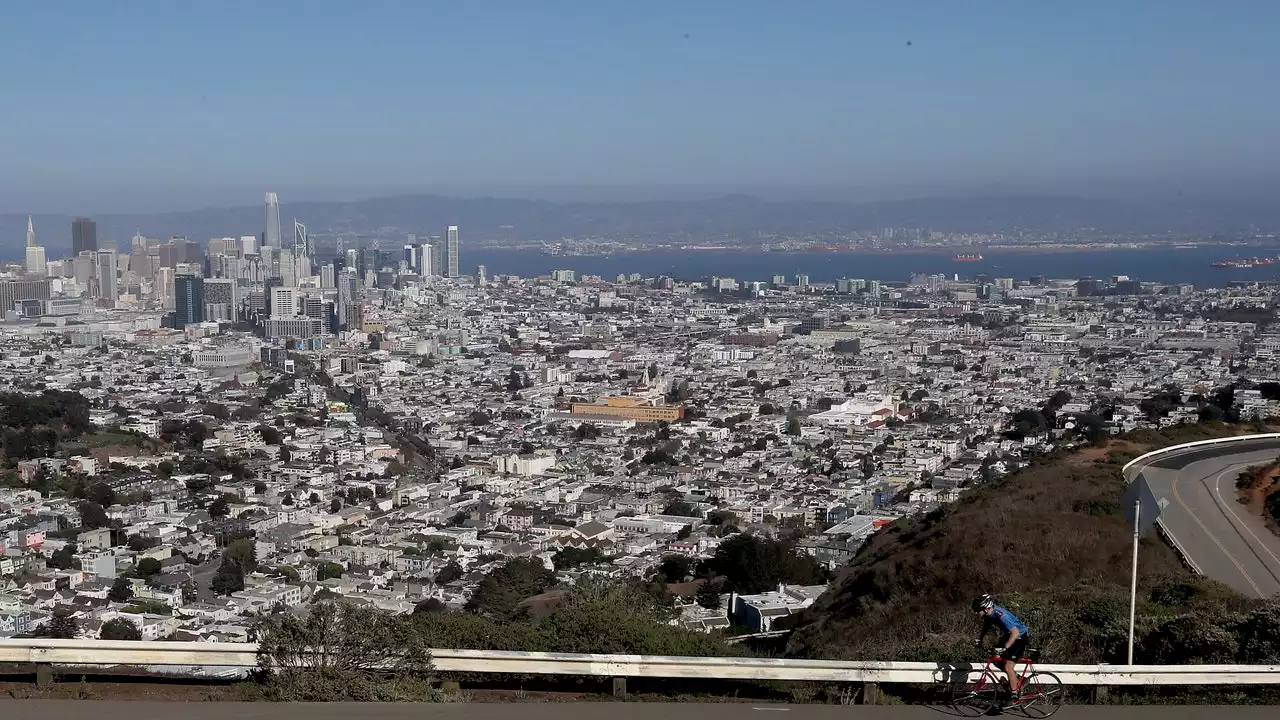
(1049, 540)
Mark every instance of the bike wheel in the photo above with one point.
(972, 699)
(1042, 695)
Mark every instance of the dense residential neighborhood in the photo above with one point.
(191, 478)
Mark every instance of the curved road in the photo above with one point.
(1222, 538)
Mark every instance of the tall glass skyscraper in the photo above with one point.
(188, 308)
(271, 234)
(451, 252)
(84, 235)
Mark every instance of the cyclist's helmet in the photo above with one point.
(985, 602)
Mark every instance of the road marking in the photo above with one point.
(1178, 497)
(772, 709)
(1217, 490)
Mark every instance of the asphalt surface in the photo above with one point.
(146, 710)
(1202, 513)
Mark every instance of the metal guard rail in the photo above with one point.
(108, 653)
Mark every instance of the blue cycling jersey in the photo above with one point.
(1007, 621)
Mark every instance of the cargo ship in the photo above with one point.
(967, 257)
(1246, 263)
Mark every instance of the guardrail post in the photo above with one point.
(1100, 693)
(870, 693)
(44, 674)
(620, 687)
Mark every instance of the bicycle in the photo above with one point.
(1040, 695)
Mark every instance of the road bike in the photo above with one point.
(1040, 696)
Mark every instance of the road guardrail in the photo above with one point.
(106, 654)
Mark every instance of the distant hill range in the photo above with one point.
(733, 215)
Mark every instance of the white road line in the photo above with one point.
(1217, 490)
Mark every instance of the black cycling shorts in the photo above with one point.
(1017, 650)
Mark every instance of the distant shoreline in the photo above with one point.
(1255, 249)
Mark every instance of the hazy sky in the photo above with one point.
(147, 102)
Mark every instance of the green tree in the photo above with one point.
(63, 625)
(753, 565)
(708, 595)
(93, 516)
(242, 553)
(500, 592)
(430, 606)
(448, 574)
(327, 570)
(64, 558)
(147, 567)
(340, 652)
(119, 629)
(219, 508)
(121, 590)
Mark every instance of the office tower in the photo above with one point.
(108, 292)
(284, 302)
(188, 296)
(31, 233)
(15, 291)
(248, 245)
(426, 258)
(220, 300)
(326, 277)
(302, 240)
(271, 235)
(452, 251)
(84, 235)
(346, 282)
(437, 255)
(164, 287)
(188, 251)
(36, 260)
(411, 258)
(313, 306)
(267, 286)
(481, 273)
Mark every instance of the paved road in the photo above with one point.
(145, 710)
(1222, 537)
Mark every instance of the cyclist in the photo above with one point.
(1016, 636)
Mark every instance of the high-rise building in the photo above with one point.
(284, 302)
(451, 251)
(301, 240)
(108, 291)
(427, 260)
(326, 276)
(36, 260)
(221, 300)
(14, 291)
(482, 274)
(31, 233)
(188, 295)
(271, 234)
(84, 235)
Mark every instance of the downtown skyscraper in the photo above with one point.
(271, 233)
(451, 249)
(84, 235)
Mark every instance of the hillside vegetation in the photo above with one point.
(1051, 542)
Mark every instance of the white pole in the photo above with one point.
(1133, 585)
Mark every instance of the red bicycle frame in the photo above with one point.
(995, 664)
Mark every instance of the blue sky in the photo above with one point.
(112, 102)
